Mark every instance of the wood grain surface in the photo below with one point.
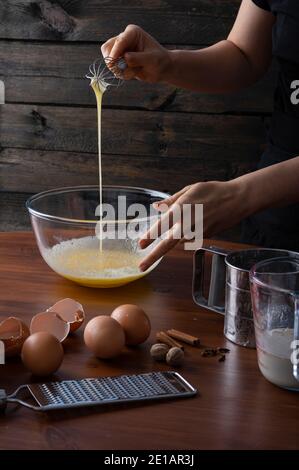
(46, 147)
(54, 73)
(147, 133)
(235, 409)
(188, 22)
(40, 170)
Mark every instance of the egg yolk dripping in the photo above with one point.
(85, 260)
(99, 90)
(88, 261)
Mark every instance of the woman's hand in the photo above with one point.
(146, 59)
(226, 66)
(224, 205)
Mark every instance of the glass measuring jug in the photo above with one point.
(275, 302)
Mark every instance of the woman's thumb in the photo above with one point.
(136, 59)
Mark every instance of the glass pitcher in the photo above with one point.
(275, 302)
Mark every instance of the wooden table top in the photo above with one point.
(235, 409)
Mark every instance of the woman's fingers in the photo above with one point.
(160, 250)
(162, 205)
(150, 235)
(170, 219)
(126, 41)
(107, 46)
(131, 72)
(171, 216)
(138, 59)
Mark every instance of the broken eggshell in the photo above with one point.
(13, 333)
(70, 311)
(51, 322)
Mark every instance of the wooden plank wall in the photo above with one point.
(153, 135)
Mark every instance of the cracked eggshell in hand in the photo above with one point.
(70, 311)
(13, 333)
(52, 323)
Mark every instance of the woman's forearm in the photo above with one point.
(231, 64)
(220, 68)
(274, 186)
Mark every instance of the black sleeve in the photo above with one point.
(262, 4)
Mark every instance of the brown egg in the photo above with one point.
(42, 353)
(70, 311)
(104, 337)
(135, 322)
(13, 333)
(52, 323)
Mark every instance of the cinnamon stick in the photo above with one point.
(162, 337)
(184, 337)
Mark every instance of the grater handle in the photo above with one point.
(13, 398)
(187, 386)
(3, 400)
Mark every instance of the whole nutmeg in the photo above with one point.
(158, 351)
(175, 356)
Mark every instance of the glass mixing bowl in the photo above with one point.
(81, 246)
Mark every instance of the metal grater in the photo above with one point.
(101, 391)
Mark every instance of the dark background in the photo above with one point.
(154, 136)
